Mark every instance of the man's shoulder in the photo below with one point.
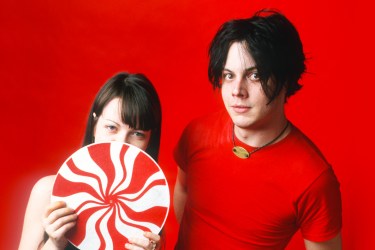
(304, 153)
(303, 143)
(216, 118)
(208, 129)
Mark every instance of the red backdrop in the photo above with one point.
(55, 55)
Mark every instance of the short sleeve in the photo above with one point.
(180, 152)
(319, 208)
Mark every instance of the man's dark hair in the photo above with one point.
(272, 41)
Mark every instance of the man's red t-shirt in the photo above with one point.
(254, 203)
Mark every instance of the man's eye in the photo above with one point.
(253, 76)
(227, 76)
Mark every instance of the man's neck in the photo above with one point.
(259, 135)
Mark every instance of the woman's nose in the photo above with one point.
(121, 137)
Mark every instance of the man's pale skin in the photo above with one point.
(255, 122)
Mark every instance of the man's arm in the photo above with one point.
(333, 244)
(179, 196)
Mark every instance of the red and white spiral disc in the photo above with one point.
(117, 190)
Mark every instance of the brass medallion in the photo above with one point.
(240, 152)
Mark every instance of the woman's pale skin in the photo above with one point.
(255, 122)
(56, 219)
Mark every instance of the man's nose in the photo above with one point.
(239, 87)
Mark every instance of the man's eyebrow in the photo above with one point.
(251, 68)
(248, 69)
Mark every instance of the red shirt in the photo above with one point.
(254, 203)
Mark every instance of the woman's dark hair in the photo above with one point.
(140, 109)
(272, 41)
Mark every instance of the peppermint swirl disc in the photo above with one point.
(117, 190)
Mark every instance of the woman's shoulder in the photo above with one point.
(44, 185)
(40, 195)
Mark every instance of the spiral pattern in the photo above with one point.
(117, 190)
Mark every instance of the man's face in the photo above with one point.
(242, 92)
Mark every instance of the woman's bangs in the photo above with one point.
(136, 113)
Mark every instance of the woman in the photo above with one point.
(126, 109)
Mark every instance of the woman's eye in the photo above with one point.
(110, 128)
(139, 134)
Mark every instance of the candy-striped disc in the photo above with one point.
(117, 190)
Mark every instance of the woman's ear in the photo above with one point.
(94, 126)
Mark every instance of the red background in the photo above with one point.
(55, 55)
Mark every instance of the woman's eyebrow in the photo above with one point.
(107, 119)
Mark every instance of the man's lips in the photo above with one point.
(240, 108)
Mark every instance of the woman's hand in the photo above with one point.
(152, 242)
(58, 219)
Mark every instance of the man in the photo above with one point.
(247, 177)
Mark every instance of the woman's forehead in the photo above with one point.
(113, 109)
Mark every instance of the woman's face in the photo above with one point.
(109, 127)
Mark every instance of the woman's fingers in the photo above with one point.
(53, 206)
(151, 242)
(58, 220)
(152, 236)
(58, 232)
(138, 244)
(154, 240)
(58, 215)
